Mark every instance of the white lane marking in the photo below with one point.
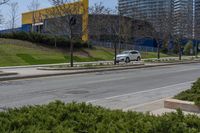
(134, 93)
(186, 69)
(105, 80)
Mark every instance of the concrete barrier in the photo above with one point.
(7, 73)
(183, 105)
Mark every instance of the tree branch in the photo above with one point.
(3, 2)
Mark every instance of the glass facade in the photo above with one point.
(183, 18)
(197, 19)
(171, 12)
(148, 10)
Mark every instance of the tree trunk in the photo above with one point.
(71, 53)
(55, 42)
(158, 51)
(71, 47)
(196, 49)
(115, 61)
(180, 53)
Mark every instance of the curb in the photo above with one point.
(46, 65)
(91, 68)
(183, 105)
(93, 71)
(8, 74)
(135, 66)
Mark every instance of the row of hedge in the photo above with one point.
(192, 94)
(44, 39)
(58, 117)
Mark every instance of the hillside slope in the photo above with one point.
(16, 52)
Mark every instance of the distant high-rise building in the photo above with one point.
(183, 18)
(176, 15)
(197, 19)
(148, 10)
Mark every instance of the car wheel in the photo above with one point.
(138, 58)
(127, 60)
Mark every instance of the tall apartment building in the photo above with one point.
(148, 10)
(183, 18)
(197, 19)
(171, 13)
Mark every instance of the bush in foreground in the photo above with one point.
(192, 95)
(58, 117)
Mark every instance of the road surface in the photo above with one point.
(116, 90)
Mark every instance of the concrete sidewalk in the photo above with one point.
(156, 108)
(30, 72)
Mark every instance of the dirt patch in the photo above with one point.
(82, 53)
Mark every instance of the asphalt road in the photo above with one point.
(117, 89)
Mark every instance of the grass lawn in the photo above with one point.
(147, 55)
(11, 55)
(16, 53)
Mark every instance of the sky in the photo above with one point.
(23, 7)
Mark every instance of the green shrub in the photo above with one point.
(43, 39)
(58, 117)
(188, 47)
(164, 50)
(191, 95)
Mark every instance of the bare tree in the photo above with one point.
(1, 16)
(104, 24)
(113, 31)
(67, 20)
(97, 23)
(181, 32)
(33, 7)
(99, 9)
(162, 31)
(13, 15)
(118, 28)
(108, 24)
(159, 26)
(3, 2)
(53, 32)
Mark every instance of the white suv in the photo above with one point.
(127, 56)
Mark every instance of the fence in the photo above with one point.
(125, 46)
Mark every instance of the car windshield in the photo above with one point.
(125, 52)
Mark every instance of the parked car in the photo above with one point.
(128, 56)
